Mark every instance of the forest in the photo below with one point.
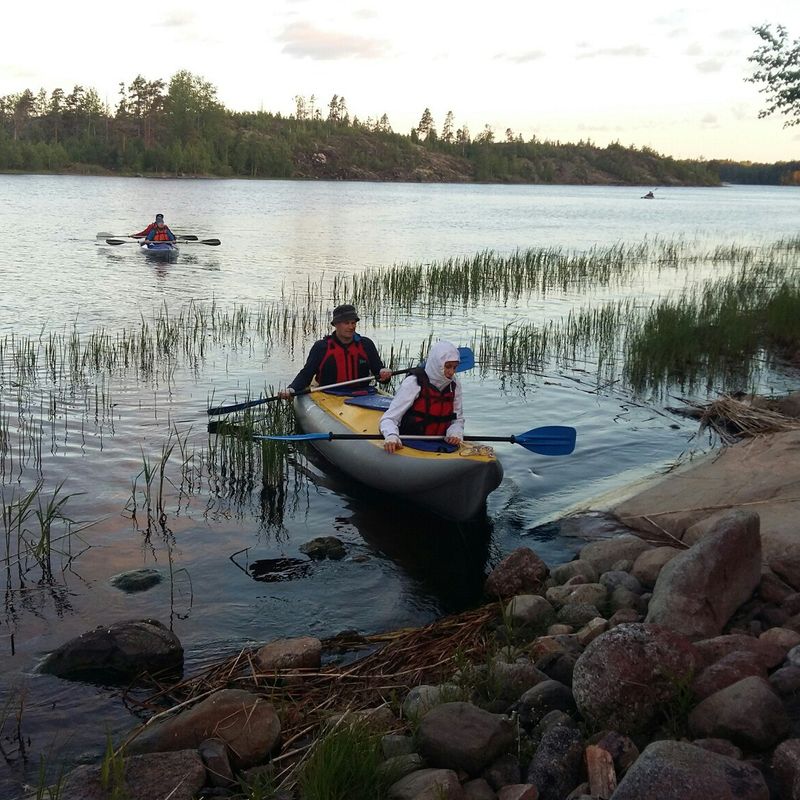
(179, 128)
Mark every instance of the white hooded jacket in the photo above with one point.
(439, 354)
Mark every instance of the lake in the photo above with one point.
(91, 433)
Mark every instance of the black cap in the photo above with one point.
(159, 217)
(344, 314)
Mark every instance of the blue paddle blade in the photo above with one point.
(549, 440)
(297, 437)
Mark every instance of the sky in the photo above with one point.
(667, 75)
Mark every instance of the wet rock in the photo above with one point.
(324, 547)
(669, 770)
(137, 580)
(521, 572)
(748, 713)
(301, 652)
(626, 676)
(118, 652)
(246, 723)
(698, 591)
(461, 736)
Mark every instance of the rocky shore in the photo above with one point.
(663, 662)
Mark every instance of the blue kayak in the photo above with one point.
(164, 251)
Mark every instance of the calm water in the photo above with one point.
(58, 277)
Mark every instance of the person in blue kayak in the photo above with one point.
(428, 402)
(342, 356)
(159, 227)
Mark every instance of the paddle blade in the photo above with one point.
(212, 412)
(467, 359)
(212, 242)
(116, 241)
(550, 440)
(295, 437)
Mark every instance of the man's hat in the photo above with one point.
(343, 314)
(159, 217)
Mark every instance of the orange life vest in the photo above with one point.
(343, 362)
(433, 410)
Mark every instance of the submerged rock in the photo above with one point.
(118, 652)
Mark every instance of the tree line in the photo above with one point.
(180, 127)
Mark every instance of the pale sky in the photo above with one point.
(669, 75)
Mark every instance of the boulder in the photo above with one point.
(698, 591)
(245, 721)
(669, 770)
(119, 652)
(461, 736)
(626, 676)
(748, 713)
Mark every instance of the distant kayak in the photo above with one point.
(648, 196)
(164, 251)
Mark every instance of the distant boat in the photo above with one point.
(648, 196)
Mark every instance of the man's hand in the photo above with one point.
(286, 394)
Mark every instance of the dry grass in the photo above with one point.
(305, 699)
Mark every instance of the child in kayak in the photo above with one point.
(428, 402)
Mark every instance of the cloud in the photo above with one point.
(627, 51)
(711, 65)
(303, 40)
(710, 120)
(694, 50)
(521, 58)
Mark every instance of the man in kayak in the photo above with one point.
(343, 356)
(160, 232)
(428, 402)
(150, 228)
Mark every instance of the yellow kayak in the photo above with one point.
(454, 484)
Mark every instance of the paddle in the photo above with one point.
(551, 440)
(467, 361)
(212, 242)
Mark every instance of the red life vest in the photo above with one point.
(343, 362)
(161, 235)
(432, 412)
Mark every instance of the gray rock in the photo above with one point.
(427, 784)
(614, 579)
(214, 753)
(698, 591)
(563, 572)
(748, 713)
(118, 652)
(461, 736)
(649, 564)
(670, 770)
(605, 554)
